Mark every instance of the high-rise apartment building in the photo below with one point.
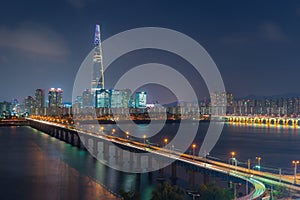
(39, 98)
(55, 100)
(29, 104)
(87, 98)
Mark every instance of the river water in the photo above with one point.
(37, 166)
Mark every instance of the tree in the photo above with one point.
(281, 192)
(166, 191)
(130, 195)
(214, 192)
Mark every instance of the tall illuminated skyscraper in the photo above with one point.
(98, 71)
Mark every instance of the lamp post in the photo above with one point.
(258, 162)
(295, 162)
(232, 156)
(166, 141)
(194, 146)
(144, 138)
(233, 159)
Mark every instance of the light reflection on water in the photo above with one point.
(51, 168)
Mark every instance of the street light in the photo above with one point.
(233, 159)
(232, 154)
(194, 146)
(127, 134)
(258, 162)
(295, 162)
(113, 131)
(102, 128)
(166, 141)
(144, 138)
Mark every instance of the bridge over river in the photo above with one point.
(103, 146)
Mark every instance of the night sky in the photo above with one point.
(255, 44)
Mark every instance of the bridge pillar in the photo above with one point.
(68, 136)
(149, 163)
(205, 178)
(139, 162)
(105, 151)
(116, 152)
(191, 174)
(130, 158)
(72, 139)
(85, 142)
(50, 130)
(161, 170)
(95, 147)
(60, 134)
(119, 156)
(78, 141)
(174, 173)
(56, 133)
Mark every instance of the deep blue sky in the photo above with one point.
(255, 44)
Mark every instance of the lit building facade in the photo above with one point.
(55, 100)
(98, 71)
(102, 98)
(29, 104)
(87, 98)
(116, 99)
(140, 99)
(5, 109)
(120, 98)
(39, 98)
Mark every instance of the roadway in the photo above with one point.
(257, 178)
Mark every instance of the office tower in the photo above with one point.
(120, 98)
(116, 100)
(126, 93)
(102, 98)
(98, 72)
(140, 99)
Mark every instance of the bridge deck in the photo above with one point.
(257, 178)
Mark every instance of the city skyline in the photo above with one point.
(150, 99)
(256, 55)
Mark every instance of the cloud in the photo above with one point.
(32, 40)
(272, 32)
